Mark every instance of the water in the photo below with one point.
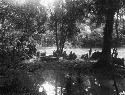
(80, 51)
(90, 84)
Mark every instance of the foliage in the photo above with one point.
(63, 20)
(17, 25)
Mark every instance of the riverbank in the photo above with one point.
(79, 51)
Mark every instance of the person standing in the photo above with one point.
(90, 52)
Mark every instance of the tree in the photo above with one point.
(106, 10)
(64, 21)
(18, 24)
(27, 19)
(103, 11)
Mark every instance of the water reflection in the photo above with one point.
(122, 93)
(49, 88)
(57, 82)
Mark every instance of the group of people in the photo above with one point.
(114, 53)
(71, 56)
(115, 59)
(39, 54)
(87, 55)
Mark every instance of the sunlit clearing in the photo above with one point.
(47, 3)
(48, 87)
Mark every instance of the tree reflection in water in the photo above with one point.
(65, 81)
(57, 82)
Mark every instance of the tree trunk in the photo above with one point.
(116, 24)
(115, 84)
(108, 30)
(61, 90)
(69, 86)
(56, 25)
(79, 81)
(62, 43)
(56, 84)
